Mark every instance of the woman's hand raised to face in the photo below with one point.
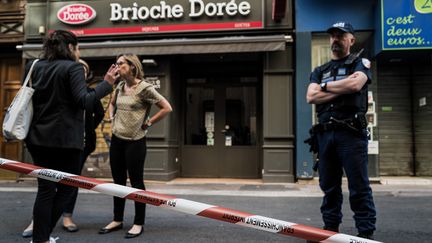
(111, 75)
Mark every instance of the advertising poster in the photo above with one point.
(406, 24)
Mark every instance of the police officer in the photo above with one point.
(339, 90)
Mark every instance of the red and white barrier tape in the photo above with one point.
(183, 205)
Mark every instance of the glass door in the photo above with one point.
(220, 138)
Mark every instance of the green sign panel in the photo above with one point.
(406, 24)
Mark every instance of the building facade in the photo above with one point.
(11, 34)
(236, 73)
(227, 67)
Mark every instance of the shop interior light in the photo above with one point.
(288, 38)
(149, 62)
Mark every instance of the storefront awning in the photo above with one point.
(174, 46)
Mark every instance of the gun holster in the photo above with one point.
(312, 140)
(313, 143)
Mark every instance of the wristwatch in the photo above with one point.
(323, 86)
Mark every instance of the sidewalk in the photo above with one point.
(252, 187)
(406, 180)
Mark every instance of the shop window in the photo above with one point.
(200, 114)
(320, 50)
(227, 108)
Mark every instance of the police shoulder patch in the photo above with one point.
(366, 63)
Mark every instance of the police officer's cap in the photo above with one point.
(342, 26)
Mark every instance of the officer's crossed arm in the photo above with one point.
(349, 85)
(317, 96)
(352, 84)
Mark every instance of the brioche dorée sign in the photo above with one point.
(166, 11)
(76, 14)
(153, 16)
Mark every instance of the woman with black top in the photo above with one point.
(93, 116)
(56, 136)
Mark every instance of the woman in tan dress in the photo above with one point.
(129, 111)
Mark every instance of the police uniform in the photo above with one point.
(343, 147)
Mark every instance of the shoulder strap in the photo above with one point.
(116, 92)
(115, 99)
(353, 57)
(28, 77)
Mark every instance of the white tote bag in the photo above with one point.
(19, 115)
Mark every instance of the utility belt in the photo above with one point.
(355, 124)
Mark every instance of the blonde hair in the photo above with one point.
(133, 61)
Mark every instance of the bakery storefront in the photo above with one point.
(225, 66)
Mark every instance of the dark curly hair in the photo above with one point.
(56, 46)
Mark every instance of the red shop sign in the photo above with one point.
(75, 14)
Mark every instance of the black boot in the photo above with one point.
(366, 235)
(334, 229)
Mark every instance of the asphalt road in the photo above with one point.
(404, 215)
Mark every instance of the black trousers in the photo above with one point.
(90, 146)
(127, 157)
(339, 151)
(51, 196)
(70, 204)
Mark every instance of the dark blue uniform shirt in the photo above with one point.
(347, 105)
